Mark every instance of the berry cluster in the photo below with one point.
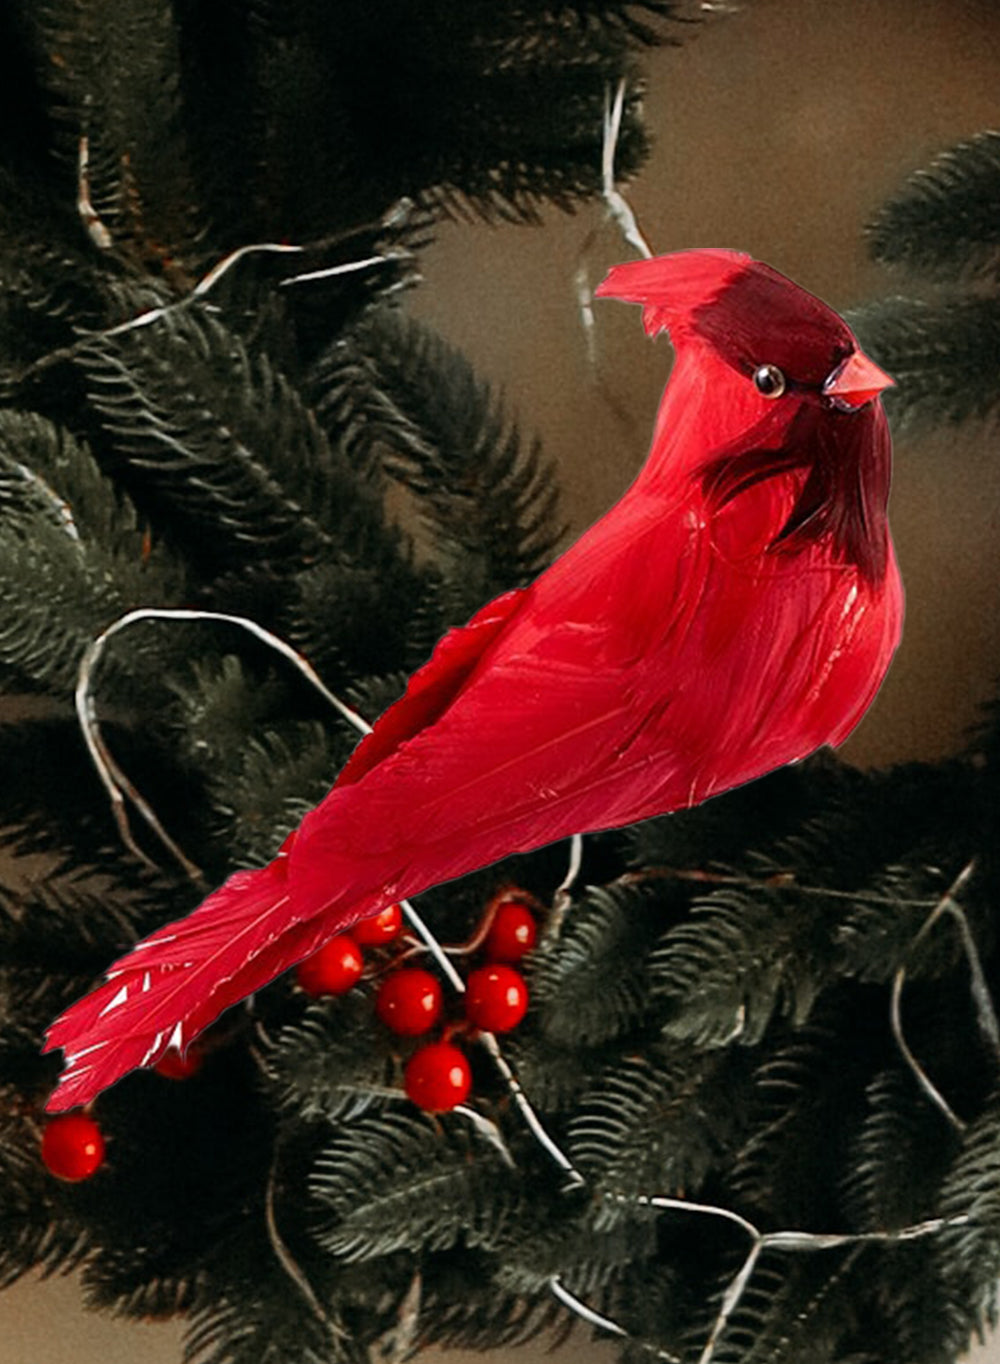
(410, 1002)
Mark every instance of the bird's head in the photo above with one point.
(770, 382)
(783, 340)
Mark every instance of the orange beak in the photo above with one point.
(856, 381)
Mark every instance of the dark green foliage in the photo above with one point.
(71, 553)
(222, 442)
(267, 121)
(944, 223)
(739, 960)
(455, 1320)
(971, 1190)
(797, 1308)
(711, 1022)
(252, 1313)
(657, 1121)
(888, 1184)
(317, 1068)
(443, 1191)
(942, 346)
(943, 353)
(582, 1001)
(384, 386)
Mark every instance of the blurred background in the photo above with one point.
(779, 129)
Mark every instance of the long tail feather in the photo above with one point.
(176, 982)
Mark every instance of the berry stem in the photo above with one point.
(492, 1046)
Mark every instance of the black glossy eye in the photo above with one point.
(769, 381)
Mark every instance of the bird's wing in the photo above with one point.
(546, 723)
(433, 687)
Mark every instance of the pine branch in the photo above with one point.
(51, 286)
(395, 1181)
(64, 913)
(589, 1255)
(972, 1187)
(395, 391)
(46, 473)
(880, 930)
(295, 139)
(807, 1083)
(795, 1308)
(267, 788)
(899, 1154)
(116, 83)
(39, 1230)
(556, 1073)
(264, 1325)
(218, 436)
(943, 353)
(143, 1282)
(741, 959)
(944, 224)
(328, 1063)
(658, 1121)
(250, 1312)
(54, 911)
(453, 1318)
(220, 702)
(72, 557)
(558, 163)
(920, 1311)
(591, 984)
(50, 801)
(214, 437)
(375, 577)
(259, 773)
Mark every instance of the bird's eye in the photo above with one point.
(769, 381)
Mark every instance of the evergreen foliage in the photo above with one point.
(712, 1022)
(943, 346)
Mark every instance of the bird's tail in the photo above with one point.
(177, 981)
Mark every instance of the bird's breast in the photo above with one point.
(743, 531)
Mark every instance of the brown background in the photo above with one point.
(778, 130)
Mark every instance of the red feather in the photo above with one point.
(735, 611)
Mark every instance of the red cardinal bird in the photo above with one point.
(736, 610)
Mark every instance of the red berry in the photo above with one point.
(178, 1065)
(379, 928)
(496, 998)
(334, 969)
(72, 1147)
(409, 1001)
(512, 932)
(438, 1077)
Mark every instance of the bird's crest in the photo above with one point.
(670, 288)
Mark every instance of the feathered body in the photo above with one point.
(735, 611)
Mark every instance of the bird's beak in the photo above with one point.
(856, 381)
